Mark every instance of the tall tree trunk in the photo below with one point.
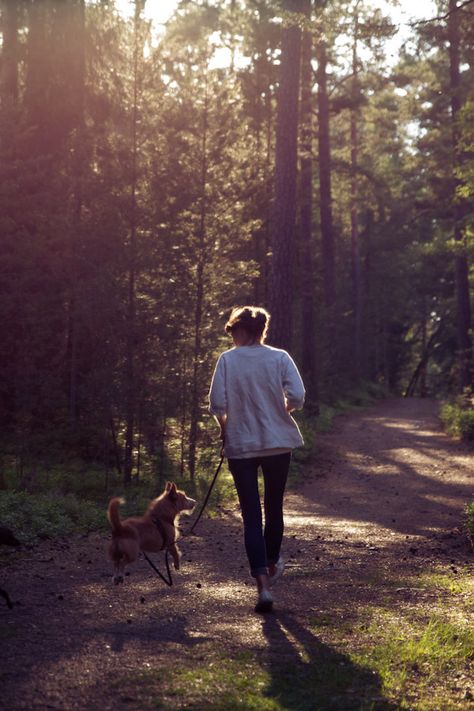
(284, 205)
(461, 268)
(355, 246)
(262, 113)
(10, 11)
(325, 196)
(37, 80)
(130, 355)
(308, 350)
(74, 21)
(267, 228)
(183, 414)
(199, 303)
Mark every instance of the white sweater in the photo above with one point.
(252, 386)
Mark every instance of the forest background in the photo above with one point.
(146, 189)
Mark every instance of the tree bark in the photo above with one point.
(461, 268)
(74, 21)
(325, 196)
(355, 245)
(130, 351)
(308, 350)
(199, 295)
(10, 12)
(284, 205)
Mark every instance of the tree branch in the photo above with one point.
(442, 17)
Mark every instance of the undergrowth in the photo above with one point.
(35, 517)
(457, 417)
(57, 498)
(469, 523)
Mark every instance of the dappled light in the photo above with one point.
(364, 560)
(236, 244)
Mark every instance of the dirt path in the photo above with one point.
(385, 491)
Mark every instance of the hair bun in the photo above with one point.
(253, 319)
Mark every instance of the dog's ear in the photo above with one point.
(171, 489)
(168, 486)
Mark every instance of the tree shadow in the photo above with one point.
(370, 471)
(171, 630)
(308, 675)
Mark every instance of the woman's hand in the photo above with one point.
(222, 423)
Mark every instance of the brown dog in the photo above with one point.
(155, 531)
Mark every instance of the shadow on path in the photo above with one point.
(392, 466)
(307, 674)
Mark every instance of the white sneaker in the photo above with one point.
(279, 568)
(265, 602)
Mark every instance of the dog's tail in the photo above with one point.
(113, 514)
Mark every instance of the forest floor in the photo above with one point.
(375, 610)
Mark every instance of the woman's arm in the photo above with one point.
(218, 396)
(292, 385)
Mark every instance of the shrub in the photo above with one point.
(466, 424)
(469, 522)
(458, 419)
(34, 517)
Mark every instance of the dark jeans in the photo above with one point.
(262, 545)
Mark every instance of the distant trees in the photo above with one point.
(147, 186)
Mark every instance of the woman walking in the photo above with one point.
(254, 388)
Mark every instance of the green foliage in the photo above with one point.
(128, 158)
(469, 522)
(458, 419)
(36, 517)
(365, 394)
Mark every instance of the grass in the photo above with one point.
(325, 681)
(384, 656)
(414, 660)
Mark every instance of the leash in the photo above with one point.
(191, 530)
(168, 581)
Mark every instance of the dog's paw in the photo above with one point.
(117, 579)
(176, 564)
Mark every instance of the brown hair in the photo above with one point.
(252, 319)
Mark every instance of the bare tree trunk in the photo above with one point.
(75, 22)
(355, 245)
(284, 205)
(427, 350)
(267, 230)
(325, 196)
(138, 466)
(263, 114)
(461, 268)
(424, 340)
(10, 11)
(199, 303)
(164, 424)
(113, 432)
(130, 374)
(183, 405)
(308, 350)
